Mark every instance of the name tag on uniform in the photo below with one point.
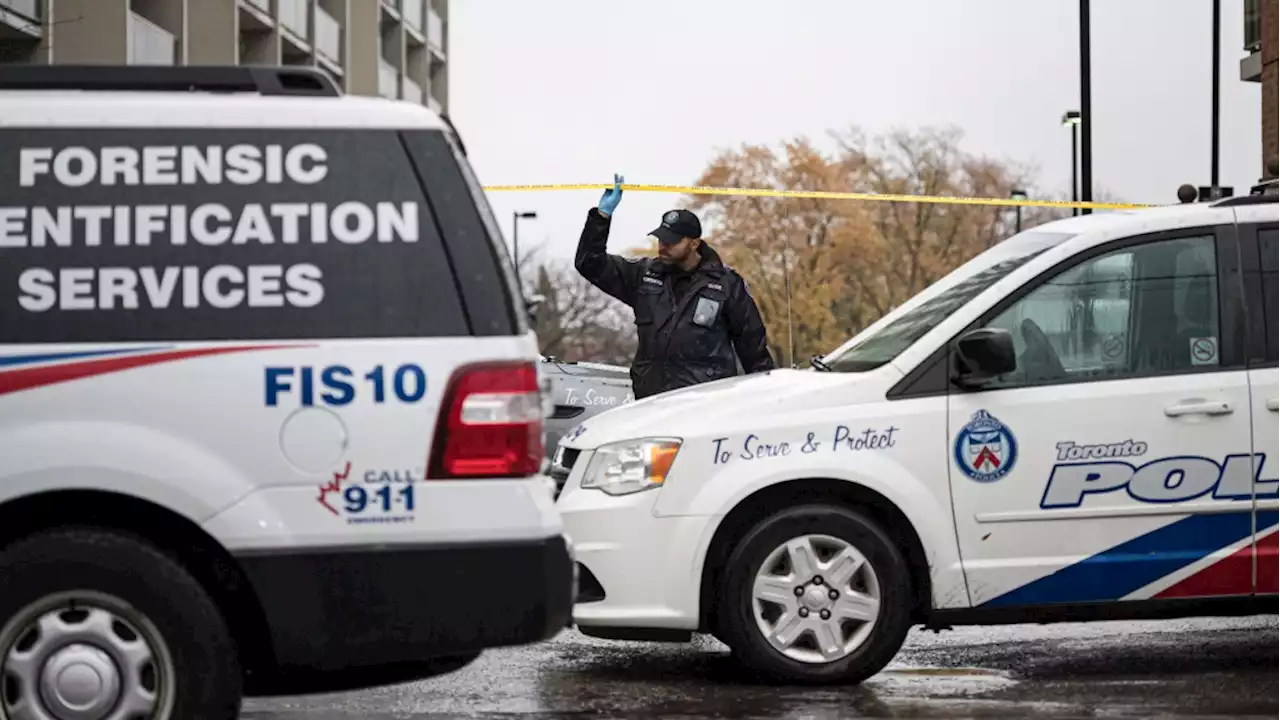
(704, 313)
(652, 280)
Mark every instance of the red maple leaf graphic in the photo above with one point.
(333, 487)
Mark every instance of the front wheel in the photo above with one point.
(95, 624)
(816, 594)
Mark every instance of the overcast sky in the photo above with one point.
(571, 91)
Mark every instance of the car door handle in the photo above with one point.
(1200, 407)
(1273, 404)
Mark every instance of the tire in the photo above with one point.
(873, 644)
(94, 580)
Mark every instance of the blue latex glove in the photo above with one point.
(609, 201)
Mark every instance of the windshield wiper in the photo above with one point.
(817, 364)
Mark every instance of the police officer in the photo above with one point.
(693, 313)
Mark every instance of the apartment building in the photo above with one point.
(1259, 65)
(390, 48)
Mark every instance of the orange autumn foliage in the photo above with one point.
(850, 262)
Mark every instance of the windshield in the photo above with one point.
(901, 328)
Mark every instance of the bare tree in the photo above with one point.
(575, 321)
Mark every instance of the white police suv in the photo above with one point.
(269, 412)
(1079, 423)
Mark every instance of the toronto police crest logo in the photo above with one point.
(985, 449)
(671, 217)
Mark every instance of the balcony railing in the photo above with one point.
(435, 31)
(388, 80)
(29, 9)
(293, 15)
(328, 36)
(149, 44)
(263, 5)
(1252, 25)
(413, 13)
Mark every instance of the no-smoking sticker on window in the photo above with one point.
(1113, 347)
(1204, 351)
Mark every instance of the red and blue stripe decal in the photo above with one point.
(1130, 566)
(36, 370)
(38, 358)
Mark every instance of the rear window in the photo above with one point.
(210, 234)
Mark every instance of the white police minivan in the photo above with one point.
(1079, 423)
(269, 412)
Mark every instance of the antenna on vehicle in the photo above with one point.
(1187, 193)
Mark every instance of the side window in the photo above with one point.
(1143, 310)
(1270, 278)
(178, 234)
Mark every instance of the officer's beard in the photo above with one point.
(676, 258)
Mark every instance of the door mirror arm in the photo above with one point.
(968, 381)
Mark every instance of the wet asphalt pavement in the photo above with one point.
(1201, 667)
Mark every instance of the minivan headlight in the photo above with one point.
(627, 467)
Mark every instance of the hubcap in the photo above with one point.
(84, 656)
(80, 681)
(816, 599)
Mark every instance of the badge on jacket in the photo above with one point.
(704, 313)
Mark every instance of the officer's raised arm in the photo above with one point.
(615, 275)
(746, 329)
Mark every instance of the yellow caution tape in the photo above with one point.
(819, 195)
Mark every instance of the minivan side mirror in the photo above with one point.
(531, 305)
(982, 355)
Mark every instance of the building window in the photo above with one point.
(1252, 25)
(29, 9)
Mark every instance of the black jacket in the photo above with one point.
(690, 328)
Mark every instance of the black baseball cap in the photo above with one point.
(677, 225)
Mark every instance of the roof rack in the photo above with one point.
(264, 80)
(1266, 191)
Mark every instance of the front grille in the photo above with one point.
(570, 457)
(562, 462)
(562, 466)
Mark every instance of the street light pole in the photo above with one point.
(1217, 72)
(1086, 109)
(786, 286)
(1075, 183)
(515, 240)
(1072, 119)
(1017, 194)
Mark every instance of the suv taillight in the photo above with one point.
(490, 423)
